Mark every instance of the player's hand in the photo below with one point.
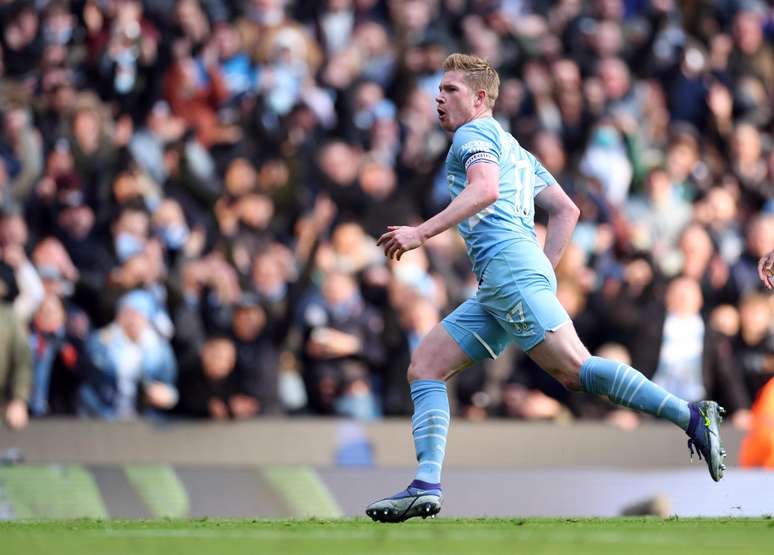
(766, 269)
(400, 239)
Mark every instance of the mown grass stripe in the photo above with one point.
(303, 490)
(51, 491)
(160, 489)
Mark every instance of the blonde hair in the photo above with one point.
(478, 74)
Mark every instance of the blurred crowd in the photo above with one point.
(190, 192)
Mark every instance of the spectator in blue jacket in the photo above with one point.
(134, 367)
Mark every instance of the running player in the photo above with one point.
(495, 185)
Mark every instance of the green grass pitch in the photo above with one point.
(442, 536)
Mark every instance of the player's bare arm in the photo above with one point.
(562, 217)
(766, 269)
(481, 191)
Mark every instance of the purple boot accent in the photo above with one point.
(419, 484)
(694, 422)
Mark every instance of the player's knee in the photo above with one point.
(412, 374)
(570, 381)
(419, 370)
(569, 375)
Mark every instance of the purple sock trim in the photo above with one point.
(695, 418)
(424, 485)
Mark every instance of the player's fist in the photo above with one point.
(399, 239)
(766, 270)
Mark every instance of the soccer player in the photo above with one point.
(495, 185)
(766, 270)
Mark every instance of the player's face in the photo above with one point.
(455, 103)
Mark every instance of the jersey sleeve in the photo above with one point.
(543, 177)
(473, 145)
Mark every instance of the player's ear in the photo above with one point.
(480, 97)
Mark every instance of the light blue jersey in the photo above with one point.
(516, 297)
(522, 177)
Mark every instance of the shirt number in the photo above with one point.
(522, 202)
(517, 317)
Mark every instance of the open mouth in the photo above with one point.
(441, 114)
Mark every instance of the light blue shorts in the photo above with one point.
(516, 301)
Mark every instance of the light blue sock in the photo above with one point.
(627, 387)
(430, 425)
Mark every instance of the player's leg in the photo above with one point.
(437, 358)
(562, 354)
(468, 334)
(519, 289)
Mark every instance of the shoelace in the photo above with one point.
(691, 445)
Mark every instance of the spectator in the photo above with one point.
(130, 232)
(171, 228)
(630, 296)
(606, 162)
(683, 162)
(95, 141)
(234, 63)
(701, 263)
(386, 205)
(134, 367)
(75, 228)
(692, 359)
(13, 239)
(719, 213)
(148, 142)
(752, 54)
(195, 91)
(257, 360)
(658, 218)
(754, 346)
(22, 41)
(688, 90)
(55, 268)
(58, 361)
(128, 54)
(338, 163)
(24, 152)
(749, 166)
(759, 242)
(212, 389)
(341, 347)
(350, 249)
(142, 272)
